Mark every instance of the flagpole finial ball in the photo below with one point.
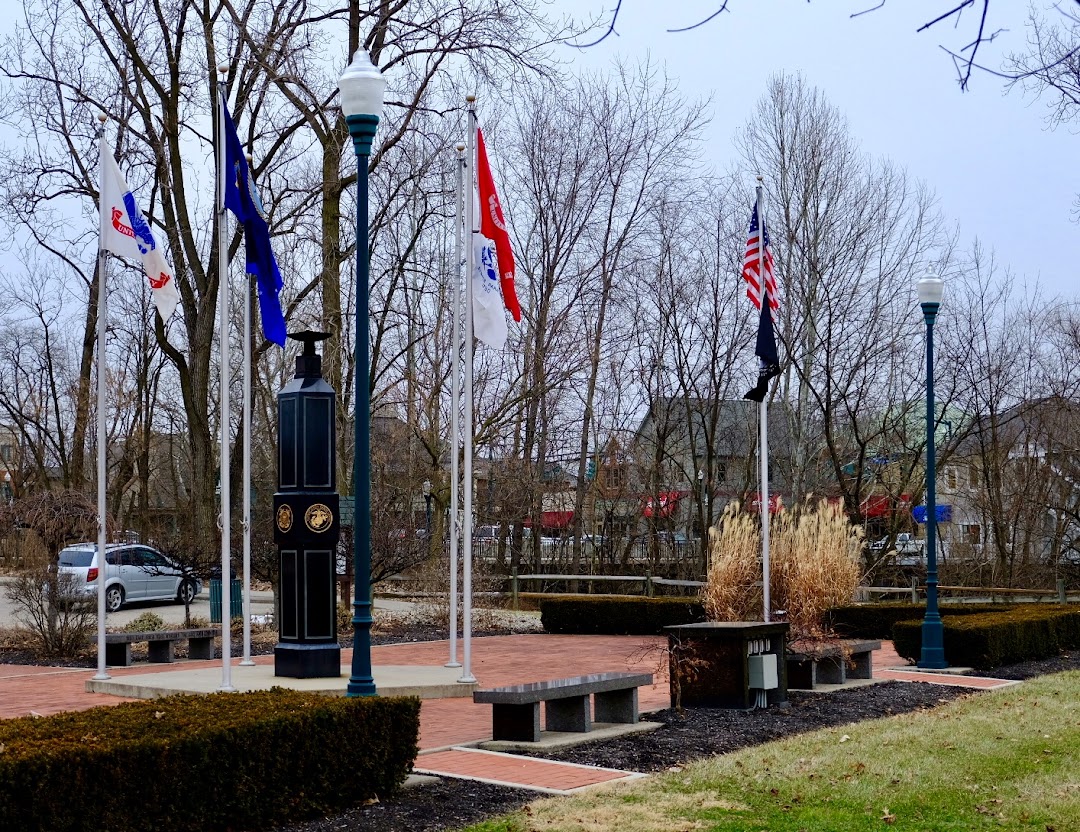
(470, 98)
(101, 117)
(460, 147)
(222, 68)
(760, 178)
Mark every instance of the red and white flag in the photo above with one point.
(126, 233)
(754, 261)
(493, 226)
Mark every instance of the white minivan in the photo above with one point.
(135, 573)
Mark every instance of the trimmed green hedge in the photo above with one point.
(991, 640)
(877, 620)
(618, 616)
(187, 763)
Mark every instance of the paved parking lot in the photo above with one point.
(172, 612)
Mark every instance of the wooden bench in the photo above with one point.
(161, 644)
(831, 664)
(516, 708)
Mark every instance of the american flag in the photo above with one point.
(752, 264)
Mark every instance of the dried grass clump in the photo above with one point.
(814, 556)
(733, 591)
(814, 562)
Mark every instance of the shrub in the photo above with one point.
(58, 618)
(617, 615)
(225, 761)
(877, 620)
(147, 622)
(993, 639)
(814, 565)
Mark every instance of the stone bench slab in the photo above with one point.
(831, 664)
(516, 708)
(561, 688)
(161, 644)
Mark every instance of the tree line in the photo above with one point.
(628, 247)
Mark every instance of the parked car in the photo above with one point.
(134, 573)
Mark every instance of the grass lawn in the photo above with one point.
(1005, 760)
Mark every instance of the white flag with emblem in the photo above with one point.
(489, 317)
(126, 233)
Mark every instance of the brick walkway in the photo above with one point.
(446, 724)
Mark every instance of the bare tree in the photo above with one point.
(850, 236)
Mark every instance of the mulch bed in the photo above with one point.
(701, 732)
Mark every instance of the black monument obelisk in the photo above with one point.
(306, 524)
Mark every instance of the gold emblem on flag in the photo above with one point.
(284, 518)
(318, 517)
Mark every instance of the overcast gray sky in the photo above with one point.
(997, 170)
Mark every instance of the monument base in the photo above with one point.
(307, 661)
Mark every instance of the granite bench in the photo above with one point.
(161, 643)
(831, 664)
(516, 708)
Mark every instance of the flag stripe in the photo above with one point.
(752, 264)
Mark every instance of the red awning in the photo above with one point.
(774, 503)
(556, 519)
(668, 501)
(882, 505)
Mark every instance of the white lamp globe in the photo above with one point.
(362, 87)
(930, 289)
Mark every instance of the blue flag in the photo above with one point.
(243, 201)
(765, 350)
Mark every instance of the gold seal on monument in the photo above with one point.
(318, 518)
(284, 518)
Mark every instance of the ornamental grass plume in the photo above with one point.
(814, 554)
(733, 588)
(815, 564)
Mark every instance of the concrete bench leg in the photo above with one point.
(801, 674)
(616, 706)
(118, 655)
(862, 666)
(569, 714)
(201, 648)
(520, 723)
(830, 670)
(161, 651)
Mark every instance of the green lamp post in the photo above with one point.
(933, 633)
(362, 88)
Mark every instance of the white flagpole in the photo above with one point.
(245, 520)
(455, 396)
(103, 565)
(466, 590)
(763, 426)
(223, 334)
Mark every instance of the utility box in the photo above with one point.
(306, 520)
(762, 672)
(725, 664)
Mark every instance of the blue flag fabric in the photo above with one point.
(765, 349)
(243, 201)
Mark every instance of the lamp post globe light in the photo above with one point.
(362, 88)
(932, 656)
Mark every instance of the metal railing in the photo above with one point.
(647, 580)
